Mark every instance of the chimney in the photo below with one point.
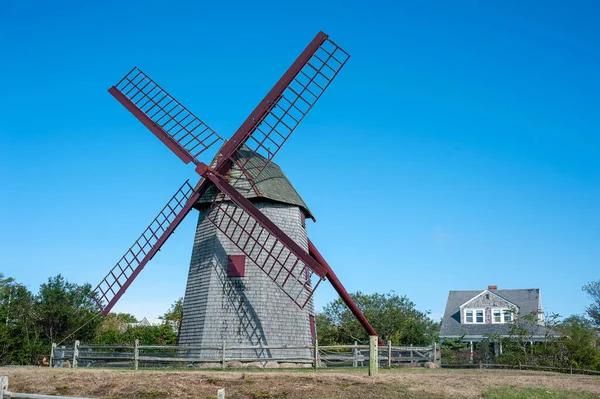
(492, 287)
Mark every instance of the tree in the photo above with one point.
(174, 315)
(19, 337)
(394, 318)
(110, 331)
(327, 331)
(151, 335)
(63, 307)
(593, 310)
(579, 341)
(175, 312)
(63, 312)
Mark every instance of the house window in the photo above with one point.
(474, 316)
(479, 316)
(496, 316)
(468, 316)
(507, 316)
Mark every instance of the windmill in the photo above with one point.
(253, 270)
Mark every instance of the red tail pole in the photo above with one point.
(337, 285)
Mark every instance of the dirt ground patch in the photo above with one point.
(335, 384)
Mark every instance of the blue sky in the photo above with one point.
(458, 148)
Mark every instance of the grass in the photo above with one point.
(537, 393)
(409, 383)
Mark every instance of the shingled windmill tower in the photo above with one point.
(253, 270)
(228, 298)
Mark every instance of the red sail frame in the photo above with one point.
(120, 277)
(172, 123)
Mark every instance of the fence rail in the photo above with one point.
(224, 356)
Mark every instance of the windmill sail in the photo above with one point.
(179, 129)
(143, 250)
(304, 85)
(265, 249)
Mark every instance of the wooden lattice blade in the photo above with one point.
(266, 245)
(288, 105)
(178, 128)
(120, 277)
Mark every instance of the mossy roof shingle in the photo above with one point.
(271, 183)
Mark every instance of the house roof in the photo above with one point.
(527, 300)
(271, 184)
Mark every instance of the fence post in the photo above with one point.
(411, 355)
(316, 365)
(62, 356)
(373, 358)
(52, 348)
(75, 354)
(471, 357)
(3, 386)
(223, 356)
(221, 393)
(136, 354)
(355, 355)
(389, 353)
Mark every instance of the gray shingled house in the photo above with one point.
(228, 299)
(474, 316)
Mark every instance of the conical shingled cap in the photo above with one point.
(271, 184)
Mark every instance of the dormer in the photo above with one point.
(488, 308)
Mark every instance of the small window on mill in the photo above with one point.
(236, 265)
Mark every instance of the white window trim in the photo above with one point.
(474, 316)
(512, 315)
(475, 320)
(465, 316)
(501, 310)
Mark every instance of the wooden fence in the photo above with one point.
(137, 356)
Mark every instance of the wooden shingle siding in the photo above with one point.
(487, 304)
(249, 310)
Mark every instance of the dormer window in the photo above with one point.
(507, 316)
(497, 316)
(468, 316)
(479, 316)
(474, 316)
